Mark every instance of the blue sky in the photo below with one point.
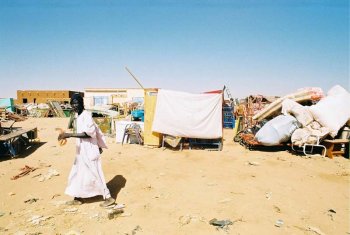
(252, 47)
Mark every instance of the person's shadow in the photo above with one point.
(115, 185)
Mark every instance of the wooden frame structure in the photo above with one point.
(13, 138)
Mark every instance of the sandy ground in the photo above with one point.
(177, 192)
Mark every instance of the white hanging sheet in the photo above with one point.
(188, 115)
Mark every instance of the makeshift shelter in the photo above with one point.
(188, 115)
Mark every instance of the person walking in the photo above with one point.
(86, 178)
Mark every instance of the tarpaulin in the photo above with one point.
(188, 115)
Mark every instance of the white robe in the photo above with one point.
(86, 178)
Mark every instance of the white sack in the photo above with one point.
(301, 113)
(333, 111)
(188, 115)
(277, 130)
(337, 90)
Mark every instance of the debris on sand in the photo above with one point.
(70, 210)
(223, 224)
(113, 213)
(24, 171)
(48, 175)
(315, 230)
(279, 223)
(37, 219)
(31, 200)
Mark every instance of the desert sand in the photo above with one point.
(167, 191)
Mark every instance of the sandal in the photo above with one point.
(109, 201)
(74, 202)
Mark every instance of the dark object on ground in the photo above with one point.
(220, 223)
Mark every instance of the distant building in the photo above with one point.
(43, 96)
(117, 96)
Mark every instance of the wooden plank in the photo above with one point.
(16, 133)
(57, 108)
(337, 141)
(334, 147)
(150, 138)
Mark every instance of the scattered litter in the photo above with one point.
(185, 219)
(36, 175)
(112, 213)
(24, 171)
(31, 200)
(268, 195)
(37, 219)
(220, 223)
(55, 195)
(253, 163)
(279, 223)
(11, 193)
(330, 213)
(277, 209)
(137, 228)
(315, 230)
(2, 214)
(50, 173)
(71, 210)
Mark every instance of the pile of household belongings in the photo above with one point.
(181, 114)
(6, 115)
(300, 124)
(50, 109)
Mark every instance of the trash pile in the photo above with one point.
(49, 109)
(304, 117)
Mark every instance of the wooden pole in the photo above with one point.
(134, 77)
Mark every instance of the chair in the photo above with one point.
(308, 149)
(133, 132)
